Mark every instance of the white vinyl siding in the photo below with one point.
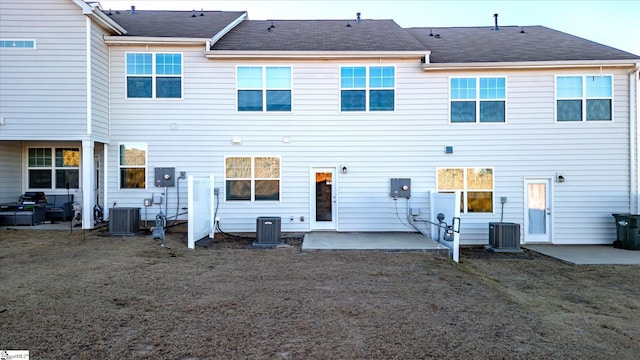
(51, 80)
(197, 133)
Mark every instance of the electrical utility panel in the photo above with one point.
(400, 188)
(165, 177)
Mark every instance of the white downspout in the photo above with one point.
(634, 186)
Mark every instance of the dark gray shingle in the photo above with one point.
(509, 44)
(319, 35)
(153, 23)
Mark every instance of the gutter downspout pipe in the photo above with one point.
(634, 172)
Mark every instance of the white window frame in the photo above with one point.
(253, 179)
(478, 100)
(4, 42)
(583, 98)
(264, 88)
(367, 88)
(145, 166)
(465, 190)
(53, 168)
(153, 76)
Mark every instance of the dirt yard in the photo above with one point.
(83, 295)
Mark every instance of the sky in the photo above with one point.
(614, 23)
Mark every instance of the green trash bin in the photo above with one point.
(622, 226)
(627, 231)
(633, 239)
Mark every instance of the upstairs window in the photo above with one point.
(584, 98)
(153, 76)
(474, 184)
(258, 85)
(477, 99)
(133, 166)
(252, 178)
(17, 44)
(54, 168)
(367, 89)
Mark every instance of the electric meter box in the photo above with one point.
(165, 177)
(400, 188)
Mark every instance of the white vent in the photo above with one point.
(124, 221)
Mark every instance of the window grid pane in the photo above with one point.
(249, 77)
(381, 100)
(238, 168)
(463, 111)
(598, 109)
(249, 100)
(599, 86)
(492, 111)
(381, 77)
(353, 77)
(353, 100)
(168, 64)
(40, 157)
(569, 110)
(67, 157)
(40, 179)
(278, 77)
(463, 88)
(139, 64)
(569, 87)
(133, 155)
(492, 88)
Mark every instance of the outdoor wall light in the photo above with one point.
(344, 169)
(559, 178)
(236, 140)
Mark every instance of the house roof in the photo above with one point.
(511, 44)
(318, 35)
(448, 45)
(178, 24)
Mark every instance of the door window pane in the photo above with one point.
(537, 201)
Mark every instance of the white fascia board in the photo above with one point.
(145, 40)
(214, 39)
(528, 65)
(94, 12)
(242, 54)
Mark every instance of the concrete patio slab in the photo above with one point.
(588, 254)
(387, 241)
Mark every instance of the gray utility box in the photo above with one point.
(268, 231)
(400, 188)
(124, 221)
(504, 237)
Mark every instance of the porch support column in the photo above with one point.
(88, 181)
